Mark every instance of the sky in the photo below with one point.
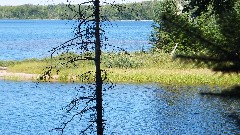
(46, 2)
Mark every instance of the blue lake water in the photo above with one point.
(22, 39)
(27, 108)
(31, 109)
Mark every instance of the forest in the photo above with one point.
(130, 11)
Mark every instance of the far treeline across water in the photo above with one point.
(129, 11)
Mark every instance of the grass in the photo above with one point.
(178, 76)
(136, 67)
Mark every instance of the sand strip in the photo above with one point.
(22, 76)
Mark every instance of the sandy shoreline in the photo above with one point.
(5, 75)
(19, 76)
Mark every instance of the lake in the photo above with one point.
(24, 39)
(29, 108)
(141, 109)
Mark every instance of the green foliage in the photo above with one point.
(130, 11)
(211, 37)
(218, 6)
(168, 32)
(32, 12)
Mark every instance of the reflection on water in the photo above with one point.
(130, 109)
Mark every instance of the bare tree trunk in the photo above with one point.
(98, 70)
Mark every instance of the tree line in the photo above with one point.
(129, 11)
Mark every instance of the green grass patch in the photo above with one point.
(135, 67)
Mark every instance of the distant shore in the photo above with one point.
(72, 20)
